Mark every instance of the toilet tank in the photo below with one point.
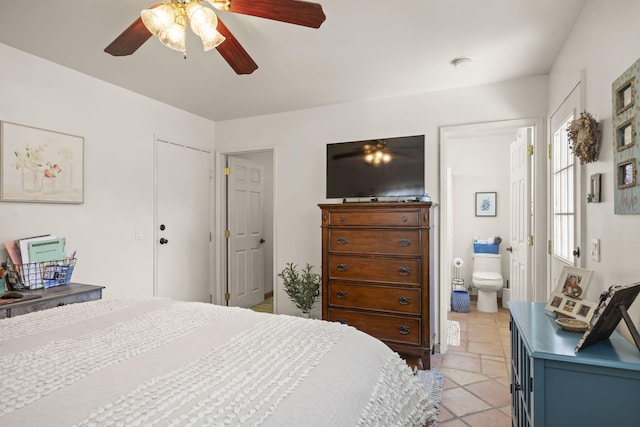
(487, 262)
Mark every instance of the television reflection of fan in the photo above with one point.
(373, 152)
(168, 22)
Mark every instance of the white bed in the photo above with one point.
(162, 362)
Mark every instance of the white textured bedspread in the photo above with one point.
(161, 362)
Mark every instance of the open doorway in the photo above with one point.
(476, 158)
(259, 259)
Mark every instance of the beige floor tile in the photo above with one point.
(461, 402)
(490, 418)
(492, 392)
(463, 362)
(461, 378)
(454, 423)
(493, 368)
(486, 348)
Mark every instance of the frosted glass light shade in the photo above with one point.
(175, 37)
(158, 19)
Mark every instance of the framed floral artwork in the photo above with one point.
(486, 204)
(39, 165)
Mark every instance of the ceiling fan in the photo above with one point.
(168, 22)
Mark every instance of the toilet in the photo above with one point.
(487, 278)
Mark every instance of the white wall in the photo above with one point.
(300, 137)
(604, 42)
(118, 127)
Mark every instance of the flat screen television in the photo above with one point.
(391, 167)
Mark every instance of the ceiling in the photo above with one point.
(366, 49)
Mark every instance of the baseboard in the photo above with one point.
(268, 295)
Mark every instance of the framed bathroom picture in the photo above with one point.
(39, 165)
(486, 204)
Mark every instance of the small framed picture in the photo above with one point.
(573, 282)
(625, 135)
(625, 96)
(627, 173)
(486, 204)
(566, 306)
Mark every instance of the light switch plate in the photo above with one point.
(595, 249)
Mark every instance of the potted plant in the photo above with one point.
(303, 287)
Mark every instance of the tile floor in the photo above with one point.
(477, 373)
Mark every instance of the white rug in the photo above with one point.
(453, 332)
(432, 382)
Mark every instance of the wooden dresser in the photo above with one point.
(375, 272)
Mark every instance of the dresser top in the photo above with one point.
(546, 340)
(368, 205)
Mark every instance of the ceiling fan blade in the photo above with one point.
(130, 39)
(233, 52)
(296, 12)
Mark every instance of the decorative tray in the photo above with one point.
(572, 325)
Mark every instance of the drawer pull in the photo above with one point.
(342, 240)
(404, 330)
(404, 271)
(343, 321)
(404, 218)
(404, 242)
(341, 294)
(404, 300)
(341, 218)
(342, 267)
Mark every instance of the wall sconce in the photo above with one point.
(594, 189)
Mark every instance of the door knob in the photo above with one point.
(262, 240)
(163, 241)
(509, 249)
(576, 253)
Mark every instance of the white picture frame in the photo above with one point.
(39, 165)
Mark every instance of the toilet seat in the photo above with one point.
(487, 278)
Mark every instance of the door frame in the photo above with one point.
(537, 271)
(156, 223)
(220, 215)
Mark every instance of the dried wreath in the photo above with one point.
(583, 138)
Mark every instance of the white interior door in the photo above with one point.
(520, 215)
(565, 190)
(245, 193)
(183, 218)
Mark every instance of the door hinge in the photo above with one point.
(227, 171)
(549, 150)
(210, 173)
(227, 234)
(549, 247)
(210, 237)
(530, 150)
(530, 240)
(227, 296)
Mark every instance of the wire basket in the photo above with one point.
(37, 275)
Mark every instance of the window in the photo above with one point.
(563, 161)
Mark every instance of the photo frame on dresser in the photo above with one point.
(612, 308)
(567, 300)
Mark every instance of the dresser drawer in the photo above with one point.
(379, 298)
(381, 270)
(383, 242)
(390, 218)
(386, 327)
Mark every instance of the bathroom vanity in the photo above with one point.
(552, 385)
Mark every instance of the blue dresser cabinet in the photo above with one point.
(552, 385)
